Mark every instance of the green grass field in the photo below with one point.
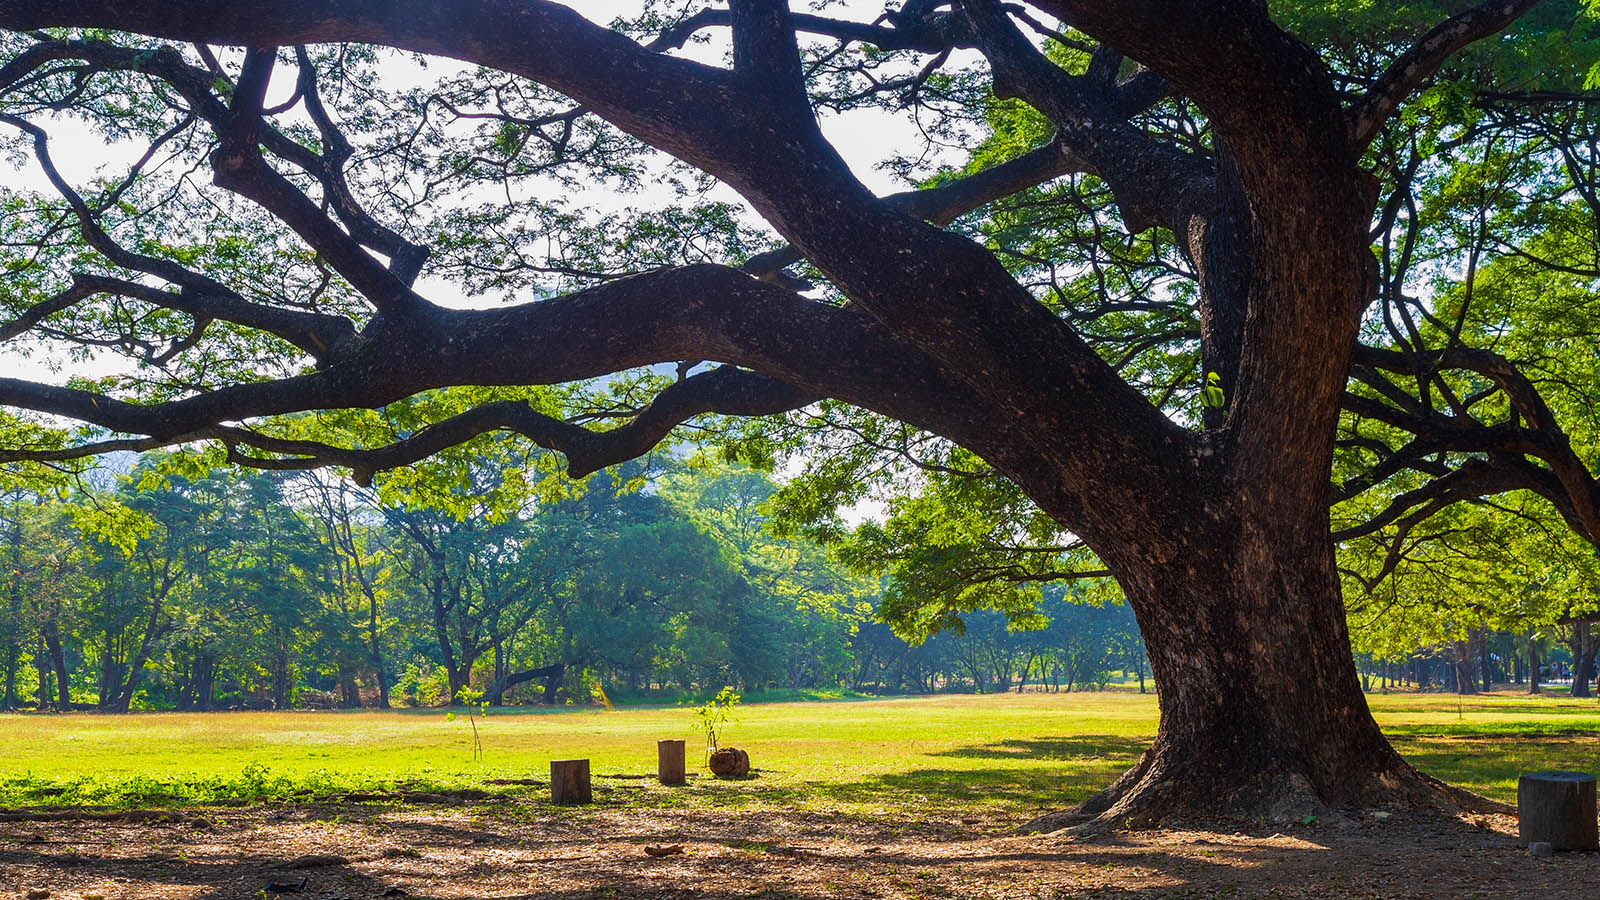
(969, 752)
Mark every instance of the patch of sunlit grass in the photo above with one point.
(997, 754)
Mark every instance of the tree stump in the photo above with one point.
(1558, 808)
(730, 762)
(669, 762)
(569, 781)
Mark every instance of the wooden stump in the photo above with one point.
(569, 781)
(670, 768)
(1558, 808)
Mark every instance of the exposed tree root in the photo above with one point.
(1163, 790)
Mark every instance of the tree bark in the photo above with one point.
(205, 679)
(196, 688)
(381, 676)
(1559, 809)
(1262, 714)
(569, 781)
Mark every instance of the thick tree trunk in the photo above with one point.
(1262, 714)
(1583, 673)
(110, 680)
(196, 690)
(460, 679)
(205, 683)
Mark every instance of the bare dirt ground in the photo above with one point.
(534, 850)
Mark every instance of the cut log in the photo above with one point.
(569, 781)
(669, 762)
(1558, 808)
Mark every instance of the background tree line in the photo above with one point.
(178, 587)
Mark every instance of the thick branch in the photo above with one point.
(724, 391)
(1228, 56)
(1154, 183)
(941, 293)
(239, 166)
(317, 334)
(685, 108)
(932, 34)
(1566, 482)
(765, 52)
(1424, 58)
(949, 201)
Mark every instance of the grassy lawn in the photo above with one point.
(1017, 753)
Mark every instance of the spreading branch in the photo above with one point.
(1423, 59)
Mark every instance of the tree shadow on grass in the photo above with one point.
(1024, 775)
(1490, 764)
(1075, 746)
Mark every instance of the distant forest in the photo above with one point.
(228, 589)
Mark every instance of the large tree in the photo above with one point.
(296, 285)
